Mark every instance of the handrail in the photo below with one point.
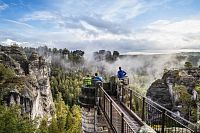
(149, 101)
(129, 125)
(179, 122)
(118, 109)
(113, 102)
(164, 112)
(167, 119)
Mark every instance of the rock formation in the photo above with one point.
(178, 91)
(106, 55)
(31, 86)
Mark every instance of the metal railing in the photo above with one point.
(159, 118)
(114, 115)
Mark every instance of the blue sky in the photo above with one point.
(124, 25)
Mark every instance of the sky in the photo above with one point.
(123, 25)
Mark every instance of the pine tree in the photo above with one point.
(43, 126)
(12, 122)
(53, 128)
(61, 113)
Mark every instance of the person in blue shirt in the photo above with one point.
(121, 73)
(98, 78)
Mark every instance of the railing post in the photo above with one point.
(122, 126)
(122, 94)
(163, 121)
(131, 98)
(143, 108)
(104, 102)
(195, 129)
(111, 112)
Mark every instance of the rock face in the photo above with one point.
(159, 92)
(178, 91)
(31, 87)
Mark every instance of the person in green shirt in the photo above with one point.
(87, 80)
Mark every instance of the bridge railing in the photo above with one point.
(159, 118)
(114, 115)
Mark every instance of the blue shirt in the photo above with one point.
(97, 78)
(121, 74)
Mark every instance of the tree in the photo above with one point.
(61, 113)
(43, 126)
(74, 120)
(78, 52)
(6, 73)
(65, 51)
(188, 65)
(12, 122)
(53, 128)
(55, 50)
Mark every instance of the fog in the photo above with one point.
(142, 70)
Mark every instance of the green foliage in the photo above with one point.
(66, 83)
(75, 58)
(66, 120)
(61, 112)
(65, 51)
(55, 50)
(12, 122)
(188, 65)
(43, 126)
(185, 97)
(6, 73)
(53, 127)
(189, 107)
(65, 86)
(193, 117)
(140, 83)
(197, 88)
(75, 125)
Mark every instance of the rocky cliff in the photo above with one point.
(178, 91)
(30, 88)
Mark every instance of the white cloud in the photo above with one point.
(39, 15)
(129, 9)
(8, 42)
(185, 26)
(126, 9)
(17, 23)
(161, 34)
(3, 6)
(100, 29)
(89, 27)
(172, 35)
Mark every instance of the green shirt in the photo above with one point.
(87, 81)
